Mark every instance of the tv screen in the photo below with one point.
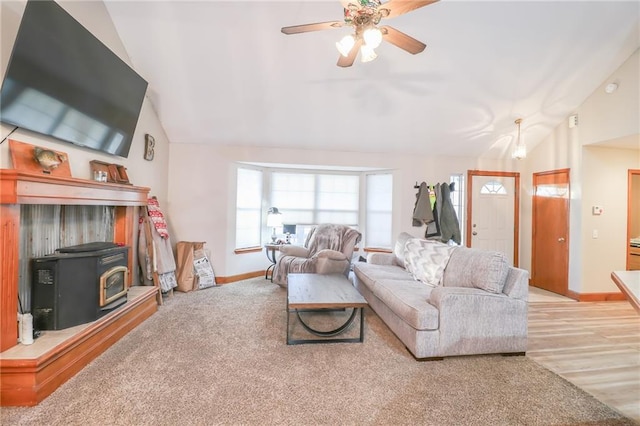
(62, 81)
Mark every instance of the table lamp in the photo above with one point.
(274, 220)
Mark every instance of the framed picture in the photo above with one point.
(114, 173)
(149, 147)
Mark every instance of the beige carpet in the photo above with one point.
(218, 356)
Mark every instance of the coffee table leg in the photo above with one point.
(331, 333)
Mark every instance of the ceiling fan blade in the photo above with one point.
(403, 41)
(296, 29)
(347, 61)
(400, 7)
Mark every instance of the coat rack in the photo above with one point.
(452, 186)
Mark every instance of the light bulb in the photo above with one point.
(344, 46)
(372, 37)
(367, 53)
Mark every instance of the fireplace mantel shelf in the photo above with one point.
(28, 188)
(20, 385)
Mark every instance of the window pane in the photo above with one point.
(248, 208)
(379, 208)
(305, 198)
(493, 187)
(292, 190)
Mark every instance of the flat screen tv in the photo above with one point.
(63, 82)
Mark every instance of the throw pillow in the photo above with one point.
(399, 247)
(426, 260)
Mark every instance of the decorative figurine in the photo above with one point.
(48, 159)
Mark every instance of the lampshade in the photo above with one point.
(274, 217)
(520, 149)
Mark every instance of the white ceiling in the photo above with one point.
(223, 73)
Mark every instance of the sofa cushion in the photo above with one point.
(409, 301)
(369, 273)
(399, 247)
(483, 269)
(426, 260)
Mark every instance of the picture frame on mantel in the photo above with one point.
(115, 173)
(149, 147)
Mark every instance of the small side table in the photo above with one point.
(270, 250)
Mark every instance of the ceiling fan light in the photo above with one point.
(372, 37)
(367, 54)
(345, 45)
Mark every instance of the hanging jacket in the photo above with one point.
(449, 225)
(422, 213)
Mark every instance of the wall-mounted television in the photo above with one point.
(63, 82)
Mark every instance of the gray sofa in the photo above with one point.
(479, 307)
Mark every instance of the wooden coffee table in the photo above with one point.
(317, 293)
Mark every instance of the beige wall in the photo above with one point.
(605, 184)
(598, 177)
(607, 117)
(202, 201)
(94, 16)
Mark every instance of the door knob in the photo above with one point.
(561, 240)
(474, 233)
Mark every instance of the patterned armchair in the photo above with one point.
(327, 250)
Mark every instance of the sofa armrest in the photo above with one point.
(472, 320)
(291, 250)
(378, 258)
(441, 296)
(517, 284)
(330, 255)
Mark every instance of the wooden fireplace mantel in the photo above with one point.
(28, 188)
(16, 188)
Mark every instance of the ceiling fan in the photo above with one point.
(364, 16)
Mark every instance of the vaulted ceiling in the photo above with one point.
(221, 72)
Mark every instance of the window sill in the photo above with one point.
(247, 250)
(377, 250)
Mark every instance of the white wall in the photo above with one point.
(598, 176)
(202, 190)
(94, 17)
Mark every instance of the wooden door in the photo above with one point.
(493, 212)
(550, 234)
(633, 220)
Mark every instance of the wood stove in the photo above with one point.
(78, 284)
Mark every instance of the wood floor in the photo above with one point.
(595, 346)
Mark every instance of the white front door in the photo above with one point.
(493, 214)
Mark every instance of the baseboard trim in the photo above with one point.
(240, 277)
(596, 297)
